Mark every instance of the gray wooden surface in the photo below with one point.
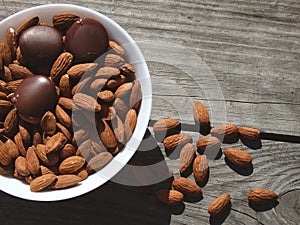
(252, 49)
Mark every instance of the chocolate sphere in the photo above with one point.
(35, 96)
(86, 39)
(40, 46)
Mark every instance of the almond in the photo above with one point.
(11, 39)
(11, 121)
(187, 187)
(66, 103)
(117, 48)
(114, 83)
(107, 72)
(105, 96)
(186, 158)
(249, 133)
(21, 166)
(227, 131)
(48, 123)
(99, 161)
(5, 157)
(71, 164)
(121, 108)
(238, 157)
(136, 95)
(107, 136)
(78, 70)
(63, 21)
(170, 197)
(124, 90)
(12, 148)
(26, 24)
(113, 60)
(201, 118)
(67, 151)
(56, 142)
(64, 181)
(24, 133)
(209, 146)
(128, 71)
(200, 169)
(61, 65)
(98, 84)
(19, 142)
(42, 182)
(166, 127)
(86, 102)
(65, 86)
(45, 170)
(33, 163)
(63, 117)
(118, 128)
(19, 72)
(130, 123)
(65, 131)
(176, 141)
(5, 53)
(217, 205)
(261, 196)
(13, 85)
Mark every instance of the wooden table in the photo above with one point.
(241, 59)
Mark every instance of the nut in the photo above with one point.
(238, 157)
(170, 197)
(217, 205)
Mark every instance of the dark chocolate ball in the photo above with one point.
(35, 96)
(87, 40)
(40, 46)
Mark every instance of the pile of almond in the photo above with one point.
(60, 151)
(193, 159)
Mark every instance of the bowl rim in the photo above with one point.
(11, 185)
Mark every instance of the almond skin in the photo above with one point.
(238, 157)
(42, 182)
(201, 118)
(249, 133)
(170, 197)
(200, 169)
(166, 127)
(71, 164)
(64, 181)
(176, 141)
(217, 205)
(209, 146)
(99, 161)
(224, 131)
(56, 142)
(33, 163)
(5, 157)
(261, 196)
(186, 158)
(187, 187)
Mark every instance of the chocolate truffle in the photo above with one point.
(35, 96)
(87, 40)
(40, 46)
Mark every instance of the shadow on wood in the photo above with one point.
(245, 171)
(253, 144)
(265, 206)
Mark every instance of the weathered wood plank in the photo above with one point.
(252, 49)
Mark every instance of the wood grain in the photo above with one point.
(250, 48)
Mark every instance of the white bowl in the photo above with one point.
(20, 189)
